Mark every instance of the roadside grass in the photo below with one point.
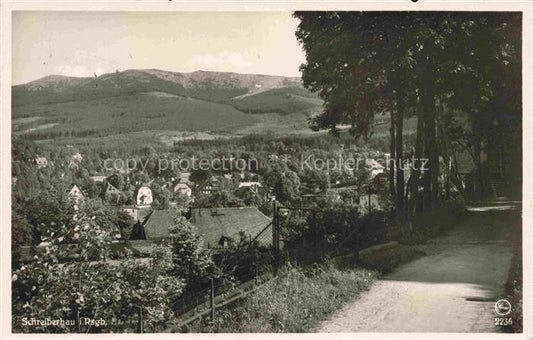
(386, 260)
(295, 301)
(514, 285)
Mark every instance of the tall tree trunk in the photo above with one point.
(431, 176)
(392, 165)
(414, 179)
(445, 152)
(400, 180)
(477, 156)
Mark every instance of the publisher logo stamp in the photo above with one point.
(502, 307)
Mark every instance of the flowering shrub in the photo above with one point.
(75, 281)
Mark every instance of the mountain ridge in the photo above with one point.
(135, 100)
(206, 85)
(58, 77)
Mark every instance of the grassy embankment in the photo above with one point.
(293, 302)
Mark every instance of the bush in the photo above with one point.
(102, 290)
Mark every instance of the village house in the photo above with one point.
(41, 162)
(143, 196)
(77, 196)
(98, 178)
(253, 186)
(210, 186)
(183, 189)
(76, 193)
(156, 225)
(217, 226)
(185, 177)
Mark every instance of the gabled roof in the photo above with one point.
(158, 223)
(76, 192)
(212, 224)
(41, 162)
(112, 189)
(143, 214)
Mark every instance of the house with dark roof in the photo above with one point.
(216, 225)
(158, 223)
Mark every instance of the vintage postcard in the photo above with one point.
(289, 168)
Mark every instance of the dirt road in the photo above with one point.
(453, 289)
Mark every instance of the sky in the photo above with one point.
(82, 44)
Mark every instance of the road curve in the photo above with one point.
(453, 289)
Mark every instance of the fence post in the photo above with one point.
(140, 319)
(78, 320)
(212, 299)
(255, 277)
(314, 235)
(276, 236)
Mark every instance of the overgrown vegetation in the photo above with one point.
(293, 302)
(515, 284)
